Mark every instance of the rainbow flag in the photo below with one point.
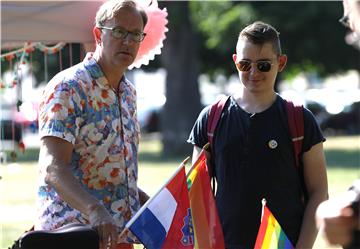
(270, 234)
(205, 220)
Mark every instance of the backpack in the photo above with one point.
(295, 120)
(70, 236)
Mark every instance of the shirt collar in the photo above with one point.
(96, 73)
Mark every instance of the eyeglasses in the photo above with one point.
(120, 33)
(345, 21)
(262, 66)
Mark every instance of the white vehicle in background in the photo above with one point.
(149, 112)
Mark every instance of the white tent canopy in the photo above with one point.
(47, 21)
(53, 22)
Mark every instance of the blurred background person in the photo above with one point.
(339, 218)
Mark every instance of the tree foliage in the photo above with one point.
(202, 38)
(218, 25)
(310, 33)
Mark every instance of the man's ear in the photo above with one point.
(282, 62)
(234, 56)
(97, 34)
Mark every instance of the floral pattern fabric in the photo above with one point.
(81, 107)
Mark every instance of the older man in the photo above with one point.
(90, 132)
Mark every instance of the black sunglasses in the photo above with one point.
(262, 66)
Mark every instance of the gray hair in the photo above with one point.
(109, 9)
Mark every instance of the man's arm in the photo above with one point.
(317, 188)
(55, 157)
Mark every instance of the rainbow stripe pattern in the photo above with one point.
(205, 220)
(270, 234)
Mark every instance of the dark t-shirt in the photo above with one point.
(253, 158)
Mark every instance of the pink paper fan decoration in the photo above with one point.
(155, 30)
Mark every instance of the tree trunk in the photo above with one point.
(180, 59)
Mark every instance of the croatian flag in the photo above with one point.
(164, 221)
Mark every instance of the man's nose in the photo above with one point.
(253, 68)
(128, 39)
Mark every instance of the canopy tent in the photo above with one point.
(72, 22)
(47, 21)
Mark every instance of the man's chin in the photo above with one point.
(124, 61)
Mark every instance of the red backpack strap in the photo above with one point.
(213, 119)
(295, 118)
(214, 116)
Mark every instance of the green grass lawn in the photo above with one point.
(18, 183)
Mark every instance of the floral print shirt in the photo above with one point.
(80, 106)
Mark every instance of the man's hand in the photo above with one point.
(102, 221)
(336, 221)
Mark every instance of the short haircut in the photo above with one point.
(261, 33)
(110, 8)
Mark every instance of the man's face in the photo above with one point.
(255, 80)
(119, 52)
(352, 10)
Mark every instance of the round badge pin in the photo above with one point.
(272, 144)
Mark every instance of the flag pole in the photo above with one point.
(263, 202)
(204, 148)
(131, 221)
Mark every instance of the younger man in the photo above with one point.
(253, 153)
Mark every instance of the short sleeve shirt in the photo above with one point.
(80, 107)
(253, 159)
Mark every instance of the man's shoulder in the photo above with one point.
(283, 102)
(221, 103)
(75, 72)
(69, 76)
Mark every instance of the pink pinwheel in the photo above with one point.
(155, 31)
